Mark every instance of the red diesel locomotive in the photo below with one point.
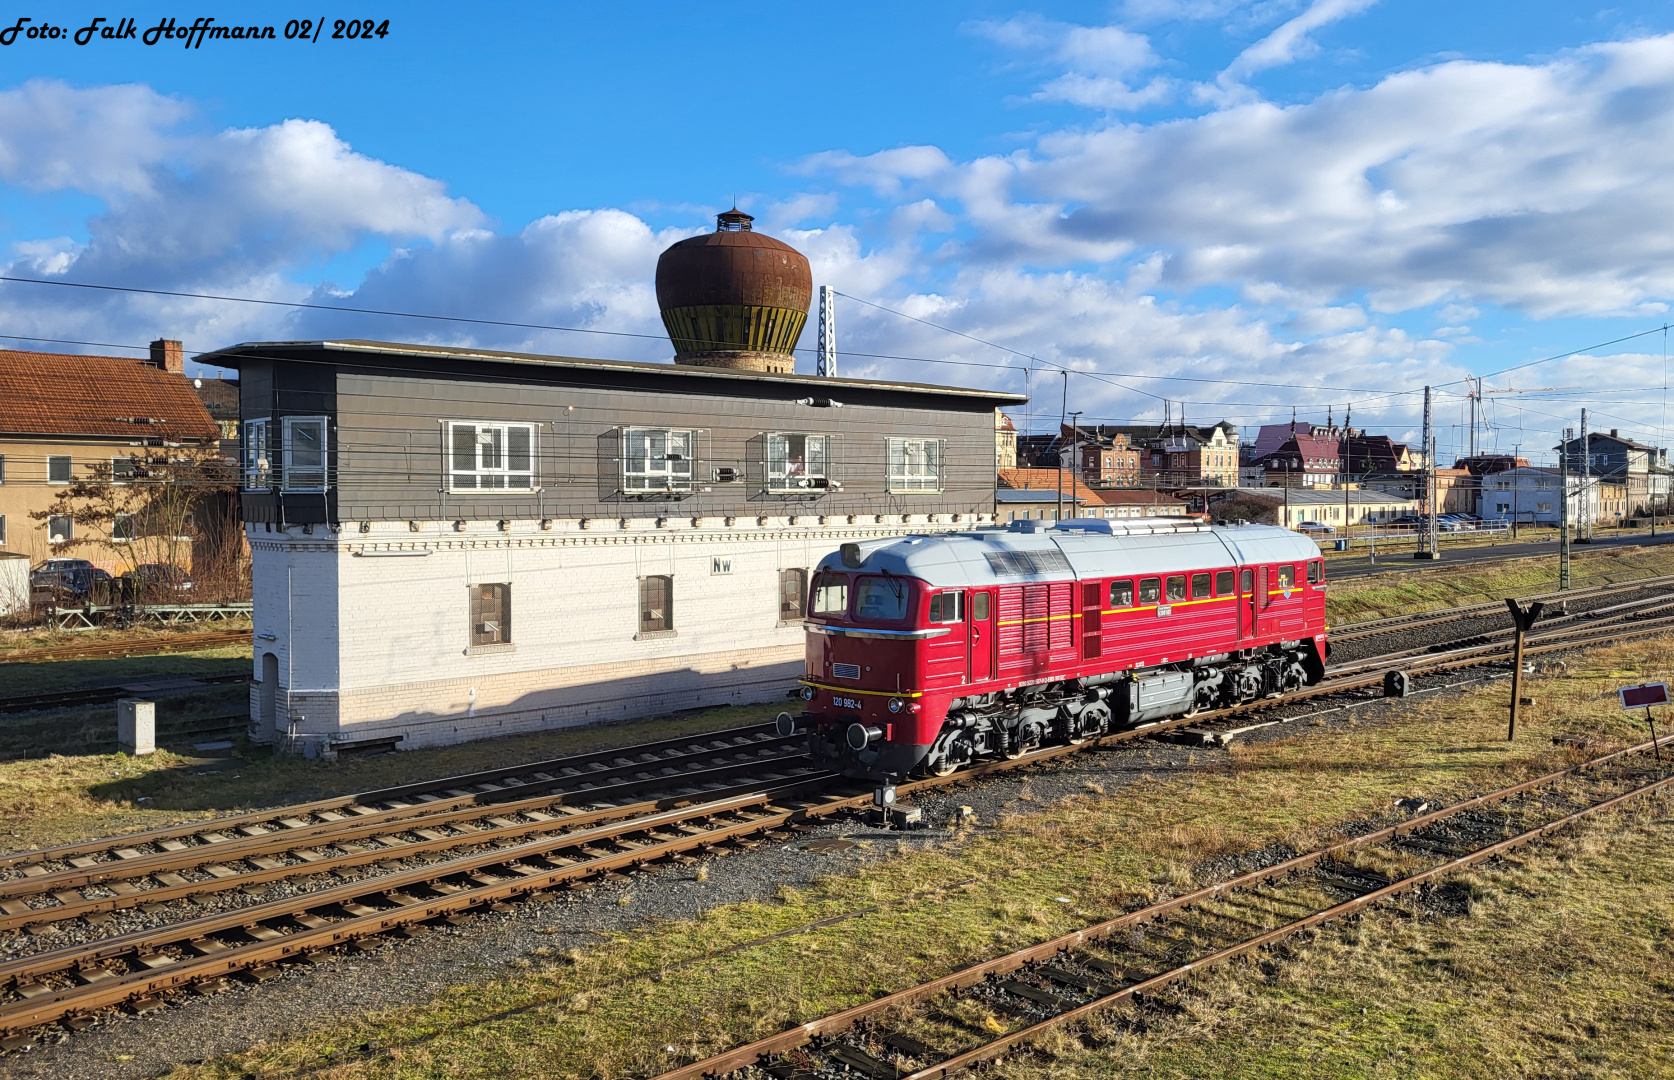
(927, 652)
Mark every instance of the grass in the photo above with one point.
(40, 637)
(610, 1011)
(1401, 593)
(49, 676)
(63, 798)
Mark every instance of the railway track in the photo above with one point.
(1372, 627)
(989, 1009)
(431, 851)
(153, 646)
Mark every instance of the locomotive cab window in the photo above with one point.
(1176, 587)
(1316, 572)
(881, 598)
(1150, 590)
(1287, 577)
(831, 595)
(1200, 586)
(945, 607)
(1223, 583)
(1121, 594)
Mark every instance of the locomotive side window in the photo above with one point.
(1248, 585)
(944, 607)
(1223, 583)
(1316, 572)
(831, 595)
(880, 598)
(1287, 577)
(1121, 594)
(1176, 587)
(1200, 586)
(1150, 590)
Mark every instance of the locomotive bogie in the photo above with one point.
(926, 654)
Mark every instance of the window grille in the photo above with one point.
(797, 462)
(915, 465)
(793, 592)
(58, 469)
(258, 464)
(656, 604)
(490, 457)
(656, 459)
(305, 453)
(490, 615)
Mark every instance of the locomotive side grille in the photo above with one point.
(846, 671)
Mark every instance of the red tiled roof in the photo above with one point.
(63, 394)
(1046, 480)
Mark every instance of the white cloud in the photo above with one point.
(1285, 45)
(1101, 61)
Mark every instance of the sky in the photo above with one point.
(1213, 208)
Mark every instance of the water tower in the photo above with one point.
(734, 298)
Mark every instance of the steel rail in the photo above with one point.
(500, 783)
(1395, 623)
(792, 1038)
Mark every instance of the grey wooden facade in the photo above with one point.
(388, 408)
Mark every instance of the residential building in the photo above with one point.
(1304, 461)
(1529, 495)
(457, 543)
(1456, 489)
(1640, 468)
(1037, 489)
(1326, 506)
(70, 416)
(1005, 441)
(1173, 454)
(1021, 504)
(1106, 459)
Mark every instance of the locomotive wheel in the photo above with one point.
(944, 767)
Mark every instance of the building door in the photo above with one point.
(1092, 605)
(982, 639)
(269, 699)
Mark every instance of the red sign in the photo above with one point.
(1643, 697)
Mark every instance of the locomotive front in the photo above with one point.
(868, 710)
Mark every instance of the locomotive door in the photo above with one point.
(982, 640)
(1246, 603)
(1267, 619)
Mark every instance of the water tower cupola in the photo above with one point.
(734, 298)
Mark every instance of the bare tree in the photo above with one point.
(144, 509)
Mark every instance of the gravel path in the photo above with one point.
(398, 973)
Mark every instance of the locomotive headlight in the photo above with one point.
(807, 693)
(896, 704)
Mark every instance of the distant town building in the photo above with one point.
(1327, 507)
(1036, 491)
(1530, 495)
(1642, 470)
(1005, 441)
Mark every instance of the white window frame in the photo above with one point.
(69, 468)
(116, 524)
(257, 454)
(659, 474)
(2, 530)
(926, 479)
(69, 529)
(118, 462)
(782, 477)
(306, 478)
(491, 451)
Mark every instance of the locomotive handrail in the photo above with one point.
(868, 632)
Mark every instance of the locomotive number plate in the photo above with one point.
(846, 702)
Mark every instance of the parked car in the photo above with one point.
(1315, 528)
(151, 580)
(1406, 519)
(57, 580)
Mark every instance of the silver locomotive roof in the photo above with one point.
(1086, 548)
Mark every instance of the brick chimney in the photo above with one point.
(167, 355)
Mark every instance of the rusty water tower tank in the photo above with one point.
(734, 298)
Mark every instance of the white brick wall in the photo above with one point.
(372, 644)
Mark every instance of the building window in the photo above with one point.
(496, 457)
(915, 465)
(2, 468)
(122, 527)
(796, 462)
(656, 604)
(490, 615)
(656, 459)
(305, 453)
(58, 469)
(2, 530)
(258, 463)
(60, 529)
(121, 469)
(793, 592)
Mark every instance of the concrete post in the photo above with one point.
(136, 726)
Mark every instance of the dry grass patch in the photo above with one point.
(611, 1012)
(1404, 592)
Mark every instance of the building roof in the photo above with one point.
(1034, 495)
(355, 351)
(104, 396)
(219, 396)
(1135, 497)
(1046, 480)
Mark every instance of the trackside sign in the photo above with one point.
(1643, 697)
